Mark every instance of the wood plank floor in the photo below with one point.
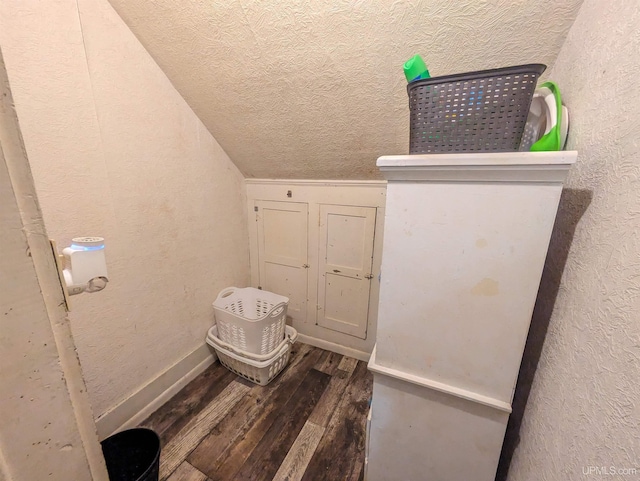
(307, 424)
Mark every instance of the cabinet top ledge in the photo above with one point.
(488, 159)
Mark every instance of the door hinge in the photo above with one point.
(369, 276)
(59, 264)
(255, 208)
(305, 266)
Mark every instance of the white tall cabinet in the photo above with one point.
(466, 236)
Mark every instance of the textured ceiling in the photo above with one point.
(315, 89)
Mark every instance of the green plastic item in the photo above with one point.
(551, 140)
(415, 69)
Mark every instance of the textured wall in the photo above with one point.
(584, 406)
(115, 151)
(34, 443)
(309, 89)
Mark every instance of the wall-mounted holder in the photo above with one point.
(85, 267)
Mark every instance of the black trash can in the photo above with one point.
(132, 455)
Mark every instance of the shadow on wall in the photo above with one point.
(573, 205)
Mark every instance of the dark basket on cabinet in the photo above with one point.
(471, 112)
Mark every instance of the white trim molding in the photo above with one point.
(437, 386)
(534, 167)
(333, 347)
(341, 183)
(137, 407)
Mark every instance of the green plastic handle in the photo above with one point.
(551, 140)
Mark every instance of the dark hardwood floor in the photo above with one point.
(307, 424)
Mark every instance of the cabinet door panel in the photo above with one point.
(345, 257)
(282, 252)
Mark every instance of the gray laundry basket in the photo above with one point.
(482, 111)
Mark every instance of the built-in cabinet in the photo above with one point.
(319, 244)
(347, 234)
(283, 261)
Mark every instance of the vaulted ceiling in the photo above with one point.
(314, 89)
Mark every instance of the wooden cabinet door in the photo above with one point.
(282, 252)
(345, 258)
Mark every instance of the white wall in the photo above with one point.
(115, 151)
(33, 443)
(46, 424)
(584, 406)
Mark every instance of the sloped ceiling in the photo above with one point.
(315, 89)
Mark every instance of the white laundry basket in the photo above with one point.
(251, 319)
(260, 369)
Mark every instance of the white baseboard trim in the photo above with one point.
(135, 409)
(337, 348)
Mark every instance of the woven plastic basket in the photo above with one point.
(482, 111)
(260, 369)
(251, 319)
